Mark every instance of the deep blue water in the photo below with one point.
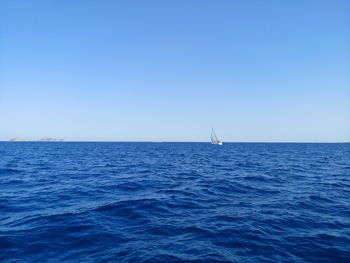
(174, 202)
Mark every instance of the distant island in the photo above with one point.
(44, 139)
(18, 140)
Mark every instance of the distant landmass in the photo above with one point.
(18, 140)
(44, 139)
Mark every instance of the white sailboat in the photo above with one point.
(214, 138)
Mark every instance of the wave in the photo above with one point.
(130, 202)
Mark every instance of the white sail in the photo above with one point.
(214, 138)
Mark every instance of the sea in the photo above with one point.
(174, 202)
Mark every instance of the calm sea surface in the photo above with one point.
(174, 202)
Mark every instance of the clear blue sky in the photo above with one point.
(171, 70)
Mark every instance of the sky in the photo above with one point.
(256, 71)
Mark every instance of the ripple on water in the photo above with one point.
(174, 202)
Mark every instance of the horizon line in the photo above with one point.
(180, 141)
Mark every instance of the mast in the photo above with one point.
(214, 138)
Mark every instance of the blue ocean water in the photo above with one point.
(174, 202)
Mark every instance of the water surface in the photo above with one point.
(174, 202)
